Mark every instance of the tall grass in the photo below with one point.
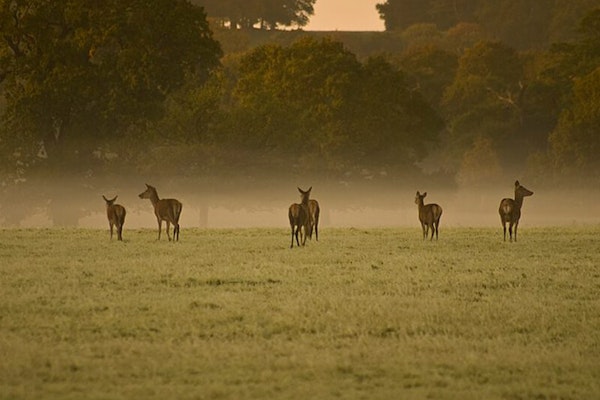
(232, 314)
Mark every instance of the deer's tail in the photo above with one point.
(177, 210)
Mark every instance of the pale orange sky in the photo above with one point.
(345, 15)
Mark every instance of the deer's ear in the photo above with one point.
(418, 194)
(517, 184)
(424, 194)
(148, 186)
(309, 189)
(105, 199)
(300, 190)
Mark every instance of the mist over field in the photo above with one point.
(251, 202)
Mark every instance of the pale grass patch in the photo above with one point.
(363, 313)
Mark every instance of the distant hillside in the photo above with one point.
(363, 44)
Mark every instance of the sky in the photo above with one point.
(345, 15)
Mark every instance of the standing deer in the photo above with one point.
(313, 212)
(299, 216)
(429, 215)
(510, 210)
(165, 210)
(116, 216)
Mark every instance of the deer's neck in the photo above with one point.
(154, 198)
(518, 201)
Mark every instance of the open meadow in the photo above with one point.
(371, 313)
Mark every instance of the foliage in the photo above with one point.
(575, 144)
(485, 96)
(572, 72)
(103, 86)
(315, 98)
(76, 70)
(521, 24)
(431, 69)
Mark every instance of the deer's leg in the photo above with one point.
(120, 232)
(111, 229)
(317, 230)
(159, 227)
(504, 227)
(304, 233)
(510, 230)
(176, 230)
(297, 229)
(516, 225)
(168, 227)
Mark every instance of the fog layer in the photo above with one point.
(239, 203)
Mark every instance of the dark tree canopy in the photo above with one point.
(316, 97)
(519, 23)
(85, 69)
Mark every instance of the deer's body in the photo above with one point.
(116, 216)
(510, 210)
(429, 216)
(299, 216)
(167, 210)
(313, 212)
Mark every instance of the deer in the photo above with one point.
(313, 212)
(167, 210)
(510, 210)
(429, 216)
(299, 216)
(116, 216)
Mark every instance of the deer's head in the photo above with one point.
(521, 191)
(147, 194)
(304, 195)
(419, 197)
(109, 202)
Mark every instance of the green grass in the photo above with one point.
(362, 314)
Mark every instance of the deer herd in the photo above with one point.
(304, 216)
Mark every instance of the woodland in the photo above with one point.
(463, 92)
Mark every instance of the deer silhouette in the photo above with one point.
(429, 216)
(167, 210)
(116, 216)
(510, 210)
(299, 216)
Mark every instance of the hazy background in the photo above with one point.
(230, 110)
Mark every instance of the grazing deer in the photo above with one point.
(299, 216)
(313, 212)
(429, 215)
(510, 210)
(165, 210)
(116, 216)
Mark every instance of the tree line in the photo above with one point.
(264, 14)
(120, 84)
(522, 24)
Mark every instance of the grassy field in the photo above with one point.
(362, 314)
